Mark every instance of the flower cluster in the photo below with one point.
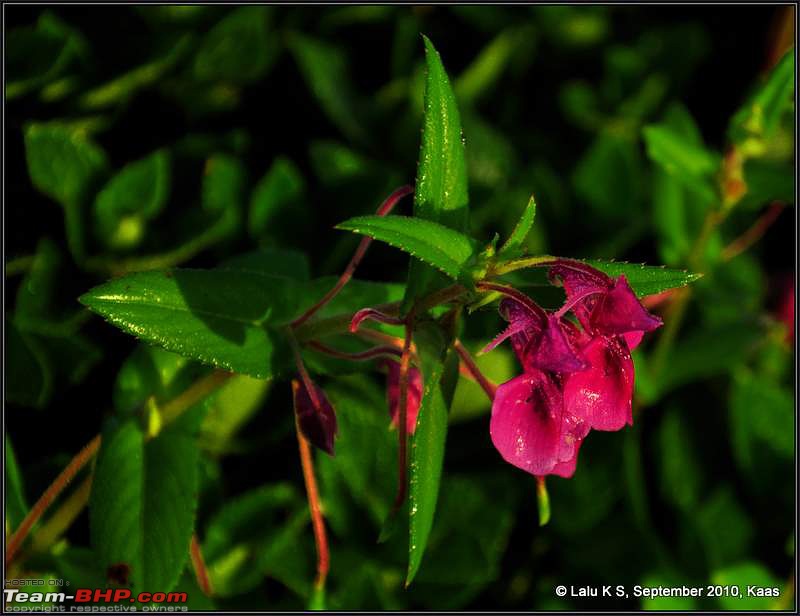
(576, 376)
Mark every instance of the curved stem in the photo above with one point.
(63, 517)
(472, 367)
(317, 520)
(372, 353)
(386, 207)
(402, 428)
(514, 294)
(516, 264)
(46, 499)
(199, 566)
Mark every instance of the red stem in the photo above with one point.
(402, 432)
(362, 356)
(386, 207)
(317, 520)
(199, 566)
(50, 494)
(472, 367)
(754, 233)
(513, 293)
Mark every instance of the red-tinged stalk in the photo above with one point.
(199, 566)
(474, 371)
(386, 207)
(314, 508)
(402, 428)
(373, 315)
(514, 294)
(301, 369)
(373, 353)
(753, 234)
(80, 460)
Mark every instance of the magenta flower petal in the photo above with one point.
(552, 351)
(315, 416)
(619, 311)
(567, 468)
(632, 339)
(393, 395)
(601, 395)
(527, 425)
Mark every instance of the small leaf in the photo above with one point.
(324, 68)
(515, 242)
(239, 49)
(62, 162)
(427, 444)
(441, 188)
(760, 116)
(64, 165)
(223, 184)
(479, 77)
(275, 192)
(16, 504)
(142, 506)
(689, 162)
(645, 279)
(133, 196)
(29, 373)
(435, 244)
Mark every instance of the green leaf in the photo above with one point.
(491, 159)
(762, 414)
(366, 450)
(64, 165)
(133, 196)
(324, 68)
(123, 88)
(62, 162)
(479, 78)
(230, 409)
(767, 181)
(219, 317)
(441, 187)
(681, 478)
(724, 527)
(29, 373)
(36, 55)
(687, 161)
(274, 194)
(241, 540)
(516, 241)
(608, 177)
(749, 574)
(228, 318)
(240, 48)
(223, 184)
(142, 506)
(16, 504)
(271, 261)
(760, 116)
(437, 245)
(645, 279)
(427, 444)
(707, 353)
(36, 297)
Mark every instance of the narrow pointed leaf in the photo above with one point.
(514, 244)
(427, 445)
(437, 245)
(441, 188)
(646, 279)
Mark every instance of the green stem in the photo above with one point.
(515, 264)
(19, 265)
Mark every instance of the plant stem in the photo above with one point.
(753, 234)
(199, 566)
(373, 353)
(386, 207)
(402, 428)
(63, 518)
(338, 324)
(196, 392)
(317, 520)
(19, 265)
(515, 264)
(46, 499)
(467, 360)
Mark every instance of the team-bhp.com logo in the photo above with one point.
(94, 595)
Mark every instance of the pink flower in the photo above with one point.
(315, 415)
(393, 394)
(575, 379)
(602, 304)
